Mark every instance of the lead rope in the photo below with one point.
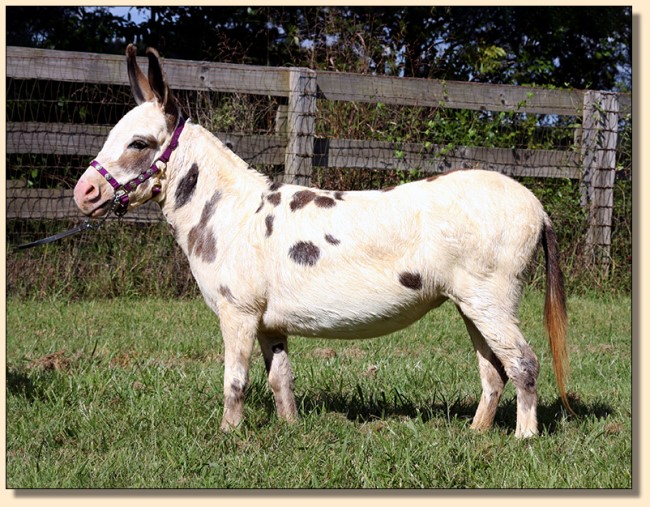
(87, 224)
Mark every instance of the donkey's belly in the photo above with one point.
(338, 321)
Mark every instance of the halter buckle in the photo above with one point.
(120, 202)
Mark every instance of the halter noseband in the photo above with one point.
(121, 197)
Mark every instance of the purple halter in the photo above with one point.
(121, 198)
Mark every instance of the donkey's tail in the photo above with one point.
(555, 315)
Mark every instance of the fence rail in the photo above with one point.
(295, 145)
(31, 63)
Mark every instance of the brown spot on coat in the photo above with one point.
(273, 187)
(269, 225)
(259, 208)
(331, 239)
(301, 199)
(226, 293)
(388, 189)
(339, 196)
(200, 240)
(526, 370)
(323, 201)
(411, 280)
(186, 187)
(238, 389)
(209, 207)
(274, 198)
(304, 253)
(138, 161)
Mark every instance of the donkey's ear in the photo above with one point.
(140, 87)
(158, 83)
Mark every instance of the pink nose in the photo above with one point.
(85, 193)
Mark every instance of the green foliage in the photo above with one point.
(117, 260)
(127, 393)
(580, 47)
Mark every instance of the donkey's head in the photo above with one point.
(126, 172)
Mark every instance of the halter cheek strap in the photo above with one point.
(121, 197)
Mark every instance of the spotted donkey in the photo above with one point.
(273, 260)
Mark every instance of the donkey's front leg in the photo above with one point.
(276, 359)
(239, 332)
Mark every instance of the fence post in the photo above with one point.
(599, 136)
(301, 122)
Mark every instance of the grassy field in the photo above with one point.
(128, 394)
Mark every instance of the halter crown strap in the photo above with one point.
(174, 142)
(121, 199)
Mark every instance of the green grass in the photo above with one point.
(127, 393)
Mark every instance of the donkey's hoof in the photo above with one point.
(227, 426)
(529, 433)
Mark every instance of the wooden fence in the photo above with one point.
(296, 146)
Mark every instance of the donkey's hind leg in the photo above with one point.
(500, 329)
(280, 376)
(493, 379)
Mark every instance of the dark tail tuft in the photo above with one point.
(555, 315)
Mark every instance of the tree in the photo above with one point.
(558, 46)
(67, 28)
(578, 47)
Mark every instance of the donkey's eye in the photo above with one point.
(138, 145)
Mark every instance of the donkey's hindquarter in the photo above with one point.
(273, 260)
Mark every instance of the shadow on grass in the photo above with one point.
(361, 409)
(550, 415)
(362, 406)
(20, 384)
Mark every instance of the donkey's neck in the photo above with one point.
(217, 169)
